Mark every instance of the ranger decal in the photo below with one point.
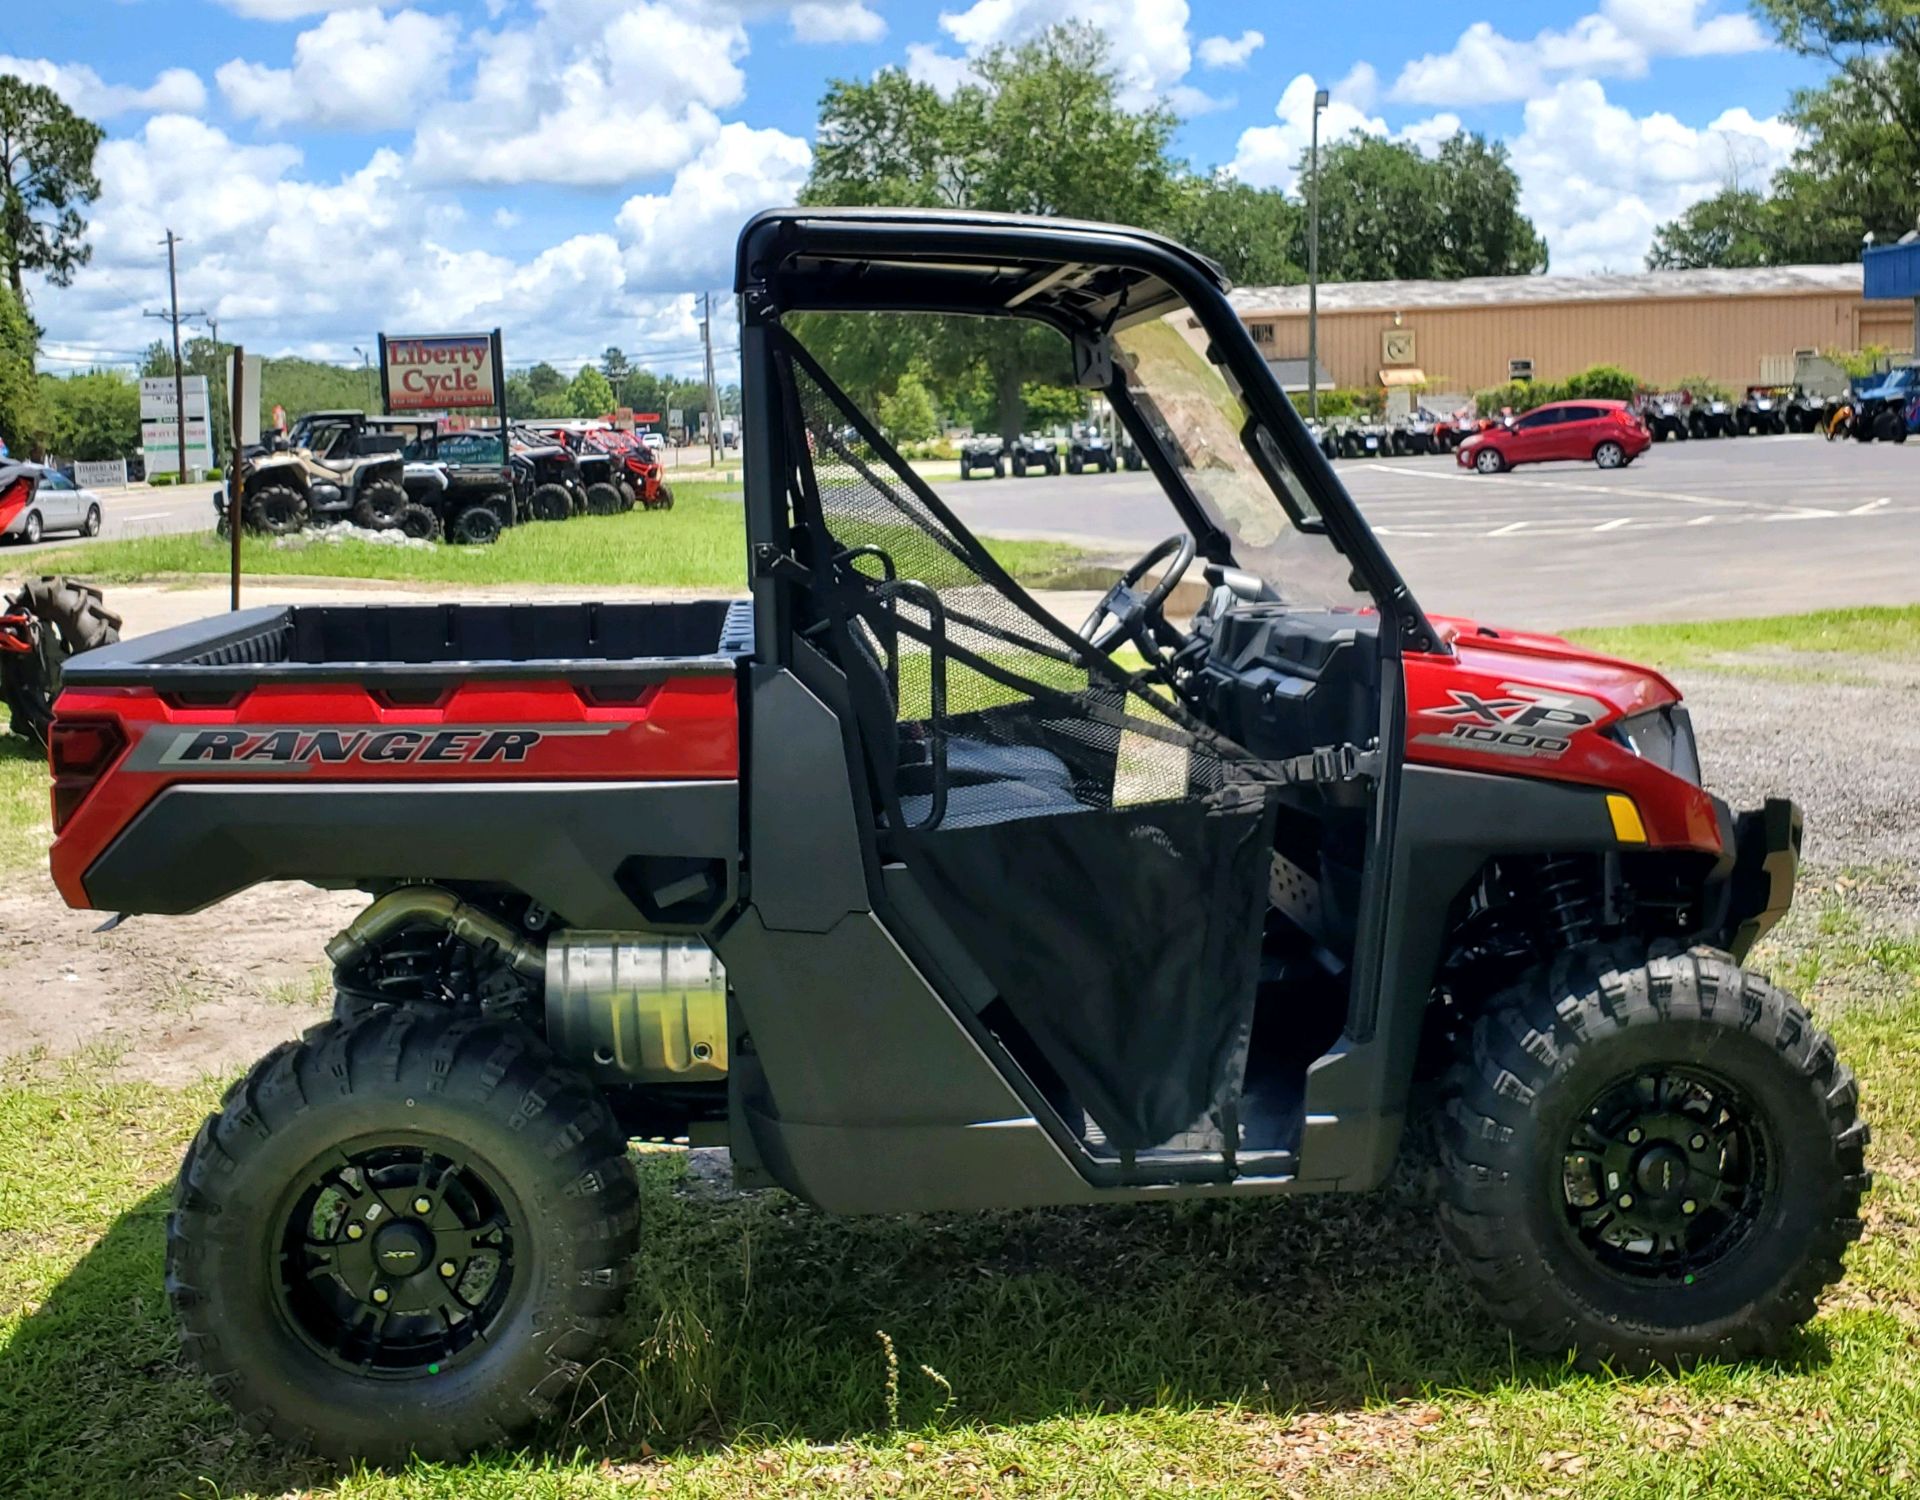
(291, 747)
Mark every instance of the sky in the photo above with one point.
(575, 171)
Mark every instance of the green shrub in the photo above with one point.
(1521, 395)
(1705, 388)
(1604, 383)
(1343, 402)
(937, 449)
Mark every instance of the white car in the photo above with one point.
(654, 441)
(35, 500)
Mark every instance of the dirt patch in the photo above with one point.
(170, 998)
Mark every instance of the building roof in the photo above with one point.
(1509, 291)
(1292, 374)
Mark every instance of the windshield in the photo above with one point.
(1205, 429)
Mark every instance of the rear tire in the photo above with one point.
(550, 502)
(321, 1136)
(476, 526)
(1642, 1223)
(417, 521)
(1610, 456)
(603, 500)
(380, 505)
(73, 618)
(91, 527)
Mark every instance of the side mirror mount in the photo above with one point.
(1092, 361)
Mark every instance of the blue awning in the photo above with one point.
(1893, 273)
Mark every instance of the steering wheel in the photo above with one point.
(1130, 612)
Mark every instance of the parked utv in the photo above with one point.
(985, 454)
(458, 480)
(1884, 405)
(917, 900)
(553, 487)
(1091, 448)
(335, 465)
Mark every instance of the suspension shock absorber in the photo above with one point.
(1568, 903)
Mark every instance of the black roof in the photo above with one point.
(957, 260)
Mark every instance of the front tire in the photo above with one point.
(364, 1344)
(31, 532)
(1489, 461)
(1651, 1161)
(380, 505)
(550, 502)
(277, 510)
(476, 526)
(418, 521)
(603, 500)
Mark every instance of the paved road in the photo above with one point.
(1690, 531)
(135, 512)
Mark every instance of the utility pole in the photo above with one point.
(713, 404)
(1320, 101)
(173, 317)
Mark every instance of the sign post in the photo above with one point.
(243, 385)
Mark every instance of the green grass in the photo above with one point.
(24, 806)
(1316, 1347)
(700, 543)
(1858, 632)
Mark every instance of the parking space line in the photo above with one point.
(1614, 525)
(1510, 528)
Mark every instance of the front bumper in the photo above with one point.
(1765, 844)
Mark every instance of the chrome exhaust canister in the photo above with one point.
(636, 1007)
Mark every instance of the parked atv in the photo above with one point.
(1090, 448)
(1806, 412)
(1363, 440)
(334, 465)
(1711, 418)
(1666, 417)
(980, 455)
(920, 902)
(1763, 412)
(1035, 454)
(1131, 458)
(44, 624)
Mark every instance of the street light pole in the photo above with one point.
(1320, 100)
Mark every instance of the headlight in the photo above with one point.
(1665, 737)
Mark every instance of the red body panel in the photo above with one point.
(682, 728)
(1508, 703)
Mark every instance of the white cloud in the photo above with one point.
(1150, 47)
(837, 21)
(684, 236)
(1269, 155)
(940, 71)
(290, 10)
(176, 90)
(1229, 52)
(357, 69)
(1597, 180)
(505, 218)
(1486, 66)
(592, 93)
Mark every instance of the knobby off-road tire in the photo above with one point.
(379, 506)
(476, 526)
(528, 1196)
(277, 510)
(418, 521)
(1520, 1127)
(550, 502)
(73, 618)
(603, 500)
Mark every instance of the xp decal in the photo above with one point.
(294, 748)
(1521, 720)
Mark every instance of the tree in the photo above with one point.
(544, 380)
(1735, 227)
(907, 414)
(91, 416)
(1853, 172)
(1036, 129)
(46, 178)
(155, 361)
(642, 390)
(613, 365)
(1251, 232)
(22, 418)
(589, 395)
(1389, 213)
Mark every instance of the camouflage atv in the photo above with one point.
(335, 465)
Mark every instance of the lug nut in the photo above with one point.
(381, 1295)
(422, 1205)
(1698, 1143)
(1689, 1206)
(1626, 1200)
(447, 1268)
(355, 1231)
(1635, 1136)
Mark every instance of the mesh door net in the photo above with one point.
(1075, 830)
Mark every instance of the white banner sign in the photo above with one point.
(156, 395)
(105, 474)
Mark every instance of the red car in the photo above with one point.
(1605, 432)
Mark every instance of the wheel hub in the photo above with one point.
(1664, 1175)
(404, 1248)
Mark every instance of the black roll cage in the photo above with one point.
(1079, 278)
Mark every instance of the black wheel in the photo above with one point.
(419, 521)
(550, 502)
(476, 526)
(72, 618)
(406, 1233)
(603, 500)
(965, 472)
(1074, 466)
(1889, 428)
(1019, 467)
(91, 527)
(31, 531)
(277, 509)
(1651, 1161)
(999, 468)
(379, 505)
(629, 496)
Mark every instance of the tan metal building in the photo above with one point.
(1736, 327)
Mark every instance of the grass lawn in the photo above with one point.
(24, 803)
(1861, 632)
(700, 543)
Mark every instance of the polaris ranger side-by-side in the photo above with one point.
(915, 899)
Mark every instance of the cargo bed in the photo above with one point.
(380, 643)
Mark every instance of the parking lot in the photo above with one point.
(1743, 526)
